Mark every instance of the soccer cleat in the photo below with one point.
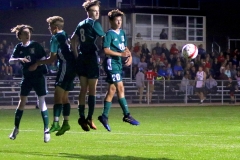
(83, 123)
(91, 124)
(129, 119)
(65, 127)
(55, 127)
(46, 136)
(14, 133)
(104, 120)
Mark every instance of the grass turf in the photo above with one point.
(164, 133)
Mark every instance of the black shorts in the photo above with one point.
(199, 90)
(65, 78)
(37, 83)
(88, 66)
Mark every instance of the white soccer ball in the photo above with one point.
(190, 51)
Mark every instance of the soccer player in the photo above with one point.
(86, 35)
(150, 76)
(60, 50)
(28, 52)
(115, 48)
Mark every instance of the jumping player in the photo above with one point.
(115, 48)
(60, 50)
(28, 52)
(85, 36)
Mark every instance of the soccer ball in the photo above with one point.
(190, 51)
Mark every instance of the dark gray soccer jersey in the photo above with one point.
(88, 31)
(33, 52)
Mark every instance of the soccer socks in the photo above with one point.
(57, 109)
(106, 109)
(18, 116)
(124, 106)
(81, 109)
(91, 105)
(66, 109)
(45, 119)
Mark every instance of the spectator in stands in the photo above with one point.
(215, 69)
(235, 61)
(185, 84)
(157, 49)
(227, 71)
(177, 80)
(6, 69)
(193, 72)
(162, 72)
(150, 76)
(163, 34)
(5, 44)
(9, 51)
(237, 77)
(165, 50)
(178, 67)
(145, 52)
(211, 85)
(213, 55)
(233, 71)
(142, 64)
(138, 36)
(221, 58)
(140, 83)
(2, 50)
(201, 51)
(174, 49)
(200, 83)
(231, 85)
(171, 60)
(228, 59)
(187, 67)
(136, 51)
(169, 72)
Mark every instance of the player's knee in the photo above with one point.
(42, 103)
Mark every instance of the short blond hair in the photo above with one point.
(57, 21)
(19, 28)
(114, 13)
(89, 3)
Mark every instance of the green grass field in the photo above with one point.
(165, 133)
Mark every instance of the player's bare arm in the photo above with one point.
(107, 51)
(49, 60)
(74, 44)
(14, 60)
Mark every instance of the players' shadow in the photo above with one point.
(107, 157)
(85, 157)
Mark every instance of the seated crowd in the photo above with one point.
(169, 63)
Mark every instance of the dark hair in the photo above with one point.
(89, 3)
(114, 13)
(19, 28)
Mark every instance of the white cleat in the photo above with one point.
(46, 136)
(14, 133)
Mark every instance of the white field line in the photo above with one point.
(135, 134)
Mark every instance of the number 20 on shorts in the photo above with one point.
(116, 77)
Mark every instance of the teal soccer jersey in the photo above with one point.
(66, 60)
(88, 31)
(33, 52)
(116, 42)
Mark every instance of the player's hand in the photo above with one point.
(33, 67)
(128, 61)
(23, 60)
(126, 53)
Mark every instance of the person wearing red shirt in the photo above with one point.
(221, 58)
(150, 76)
(174, 49)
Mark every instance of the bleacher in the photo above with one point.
(9, 93)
